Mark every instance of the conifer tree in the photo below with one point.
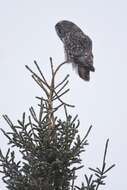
(50, 147)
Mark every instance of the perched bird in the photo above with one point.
(78, 47)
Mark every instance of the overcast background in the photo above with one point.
(27, 33)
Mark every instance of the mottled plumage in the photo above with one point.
(78, 47)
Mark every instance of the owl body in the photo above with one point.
(78, 47)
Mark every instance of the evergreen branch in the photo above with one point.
(23, 118)
(99, 173)
(62, 87)
(41, 98)
(51, 64)
(73, 180)
(41, 111)
(112, 166)
(82, 141)
(50, 148)
(7, 119)
(75, 118)
(62, 81)
(46, 83)
(35, 137)
(33, 114)
(56, 108)
(65, 110)
(40, 84)
(58, 96)
(57, 69)
(6, 134)
(34, 74)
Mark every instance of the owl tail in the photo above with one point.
(84, 72)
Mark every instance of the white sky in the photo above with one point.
(27, 33)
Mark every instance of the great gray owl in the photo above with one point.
(78, 47)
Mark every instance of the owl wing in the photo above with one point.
(78, 44)
(73, 48)
(82, 54)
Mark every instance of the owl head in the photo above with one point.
(63, 28)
